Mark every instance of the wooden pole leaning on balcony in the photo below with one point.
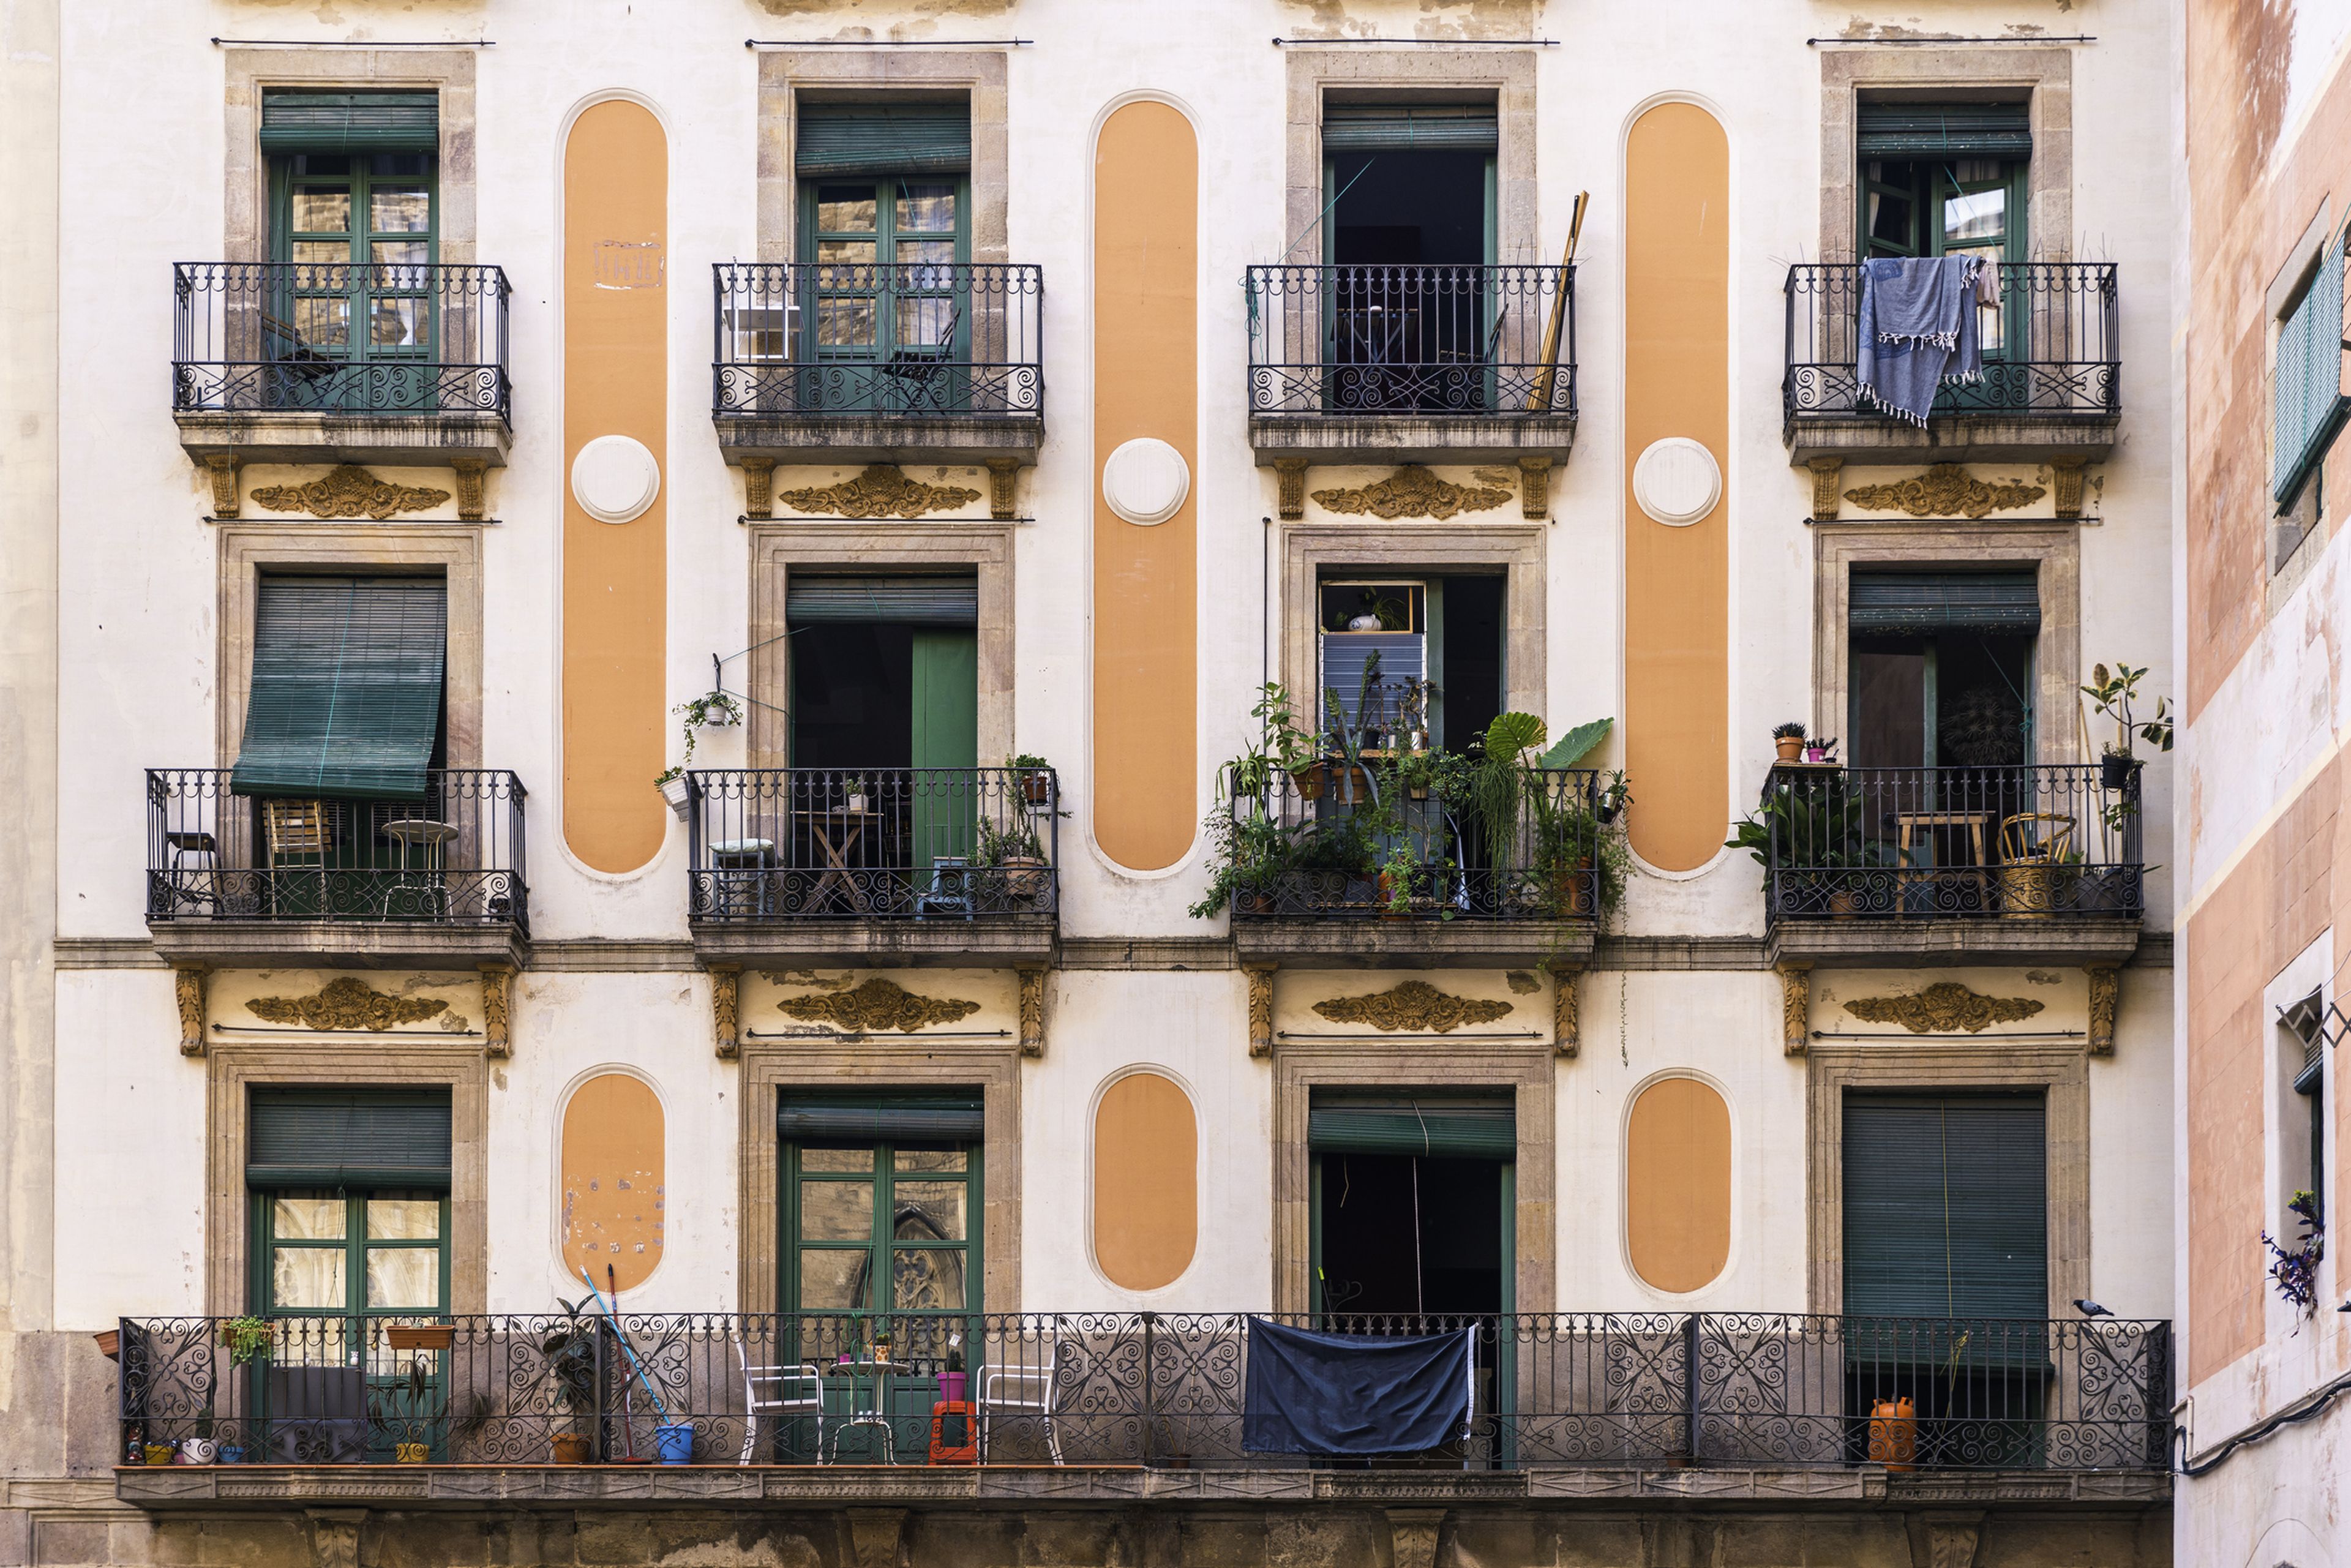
(1539, 399)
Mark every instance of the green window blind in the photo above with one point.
(350, 122)
(876, 139)
(951, 1117)
(1403, 655)
(1946, 1205)
(913, 600)
(343, 1137)
(1944, 130)
(1452, 1126)
(1921, 603)
(346, 696)
(2307, 387)
(1395, 127)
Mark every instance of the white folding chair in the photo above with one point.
(786, 1388)
(1031, 1394)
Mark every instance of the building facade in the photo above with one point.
(835, 745)
(2263, 1346)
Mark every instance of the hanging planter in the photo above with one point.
(421, 1336)
(2115, 770)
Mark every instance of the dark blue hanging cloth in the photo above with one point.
(1353, 1394)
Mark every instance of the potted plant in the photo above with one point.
(570, 1349)
(1808, 835)
(1249, 855)
(1015, 849)
(245, 1339)
(1788, 740)
(2295, 1271)
(1036, 775)
(200, 1450)
(712, 710)
(2112, 693)
(416, 1385)
(157, 1453)
(421, 1336)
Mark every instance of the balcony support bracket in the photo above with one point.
(874, 1535)
(1032, 1009)
(188, 983)
(222, 466)
(1412, 1535)
(725, 1013)
(1001, 474)
(1795, 1008)
(497, 992)
(2105, 998)
(1826, 473)
(1945, 1540)
(1534, 489)
(1291, 501)
(335, 1536)
(2066, 474)
(1261, 1008)
(469, 472)
(758, 487)
(1567, 1012)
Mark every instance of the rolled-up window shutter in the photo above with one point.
(348, 1137)
(951, 1117)
(346, 696)
(1403, 655)
(1921, 603)
(1946, 1205)
(915, 600)
(350, 122)
(1403, 128)
(1944, 130)
(847, 140)
(1441, 1126)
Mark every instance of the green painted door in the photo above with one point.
(352, 321)
(949, 802)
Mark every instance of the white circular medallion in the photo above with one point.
(1677, 481)
(615, 478)
(1145, 480)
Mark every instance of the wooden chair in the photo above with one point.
(2033, 844)
(296, 829)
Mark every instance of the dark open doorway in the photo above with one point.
(1410, 1234)
(1404, 207)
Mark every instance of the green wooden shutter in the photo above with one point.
(950, 1116)
(906, 601)
(1399, 128)
(945, 725)
(2307, 386)
(1447, 1126)
(346, 697)
(343, 1137)
(350, 122)
(1946, 1205)
(839, 141)
(1921, 603)
(1944, 130)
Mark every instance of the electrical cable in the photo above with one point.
(2307, 1407)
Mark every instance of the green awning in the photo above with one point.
(343, 1137)
(951, 1116)
(1405, 1122)
(1944, 130)
(876, 140)
(1402, 128)
(345, 697)
(350, 122)
(1921, 603)
(905, 600)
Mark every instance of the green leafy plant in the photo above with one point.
(570, 1349)
(1791, 730)
(2111, 693)
(1022, 762)
(2293, 1270)
(1818, 831)
(712, 710)
(247, 1339)
(1015, 839)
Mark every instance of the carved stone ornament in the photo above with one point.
(350, 491)
(758, 487)
(1412, 492)
(1261, 1008)
(726, 993)
(2106, 995)
(221, 468)
(1003, 488)
(1566, 1012)
(1946, 490)
(188, 990)
(1795, 1008)
(1291, 498)
(1412, 1535)
(1945, 1007)
(875, 1006)
(1032, 1010)
(470, 471)
(2067, 477)
(497, 993)
(346, 1003)
(1534, 489)
(882, 491)
(1827, 471)
(1415, 1006)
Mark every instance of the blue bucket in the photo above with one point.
(674, 1440)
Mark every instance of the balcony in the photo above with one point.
(1329, 874)
(2051, 387)
(311, 363)
(917, 362)
(1899, 866)
(878, 866)
(1411, 364)
(435, 883)
(1120, 1406)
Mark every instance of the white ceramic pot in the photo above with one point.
(673, 792)
(197, 1452)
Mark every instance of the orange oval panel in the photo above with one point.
(1146, 1180)
(613, 1181)
(1677, 1185)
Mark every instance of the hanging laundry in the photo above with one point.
(1917, 330)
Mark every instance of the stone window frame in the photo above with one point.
(247, 549)
(1517, 549)
(768, 1068)
(1314, 78)
(882, 74)
(389, 1062)
(2045, 75)
(1299, 1066)
(2053, 547)
(775, 550)
(2061, 1070)
(448, 73)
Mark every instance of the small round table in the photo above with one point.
(881, 1373)
(434, 839)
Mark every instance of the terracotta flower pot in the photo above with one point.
(110, 1343)
(569, 1448)
(1036, 788)
(1308, 780)
(1024, 875)
(421, 1336)
(1790, 748)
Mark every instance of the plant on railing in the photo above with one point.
(570, 1349)
(2295, 1269)
(1813, 829)
(1567, 834)
(2111, 693)
(1036, 777)
(247, 1339)
(712, 710)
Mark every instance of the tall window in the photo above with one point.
(1946, 1204)
(1941, 668)
(2303, 1128)
(881, 1204)
(1947, 179)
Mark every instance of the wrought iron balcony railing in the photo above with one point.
(912, 341)
(344, 338)
(1360, 841)
(2051, 346)
(1494, 341)
(873, 844)
(1976, 843)
(454, 857)
(1552, 1391)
